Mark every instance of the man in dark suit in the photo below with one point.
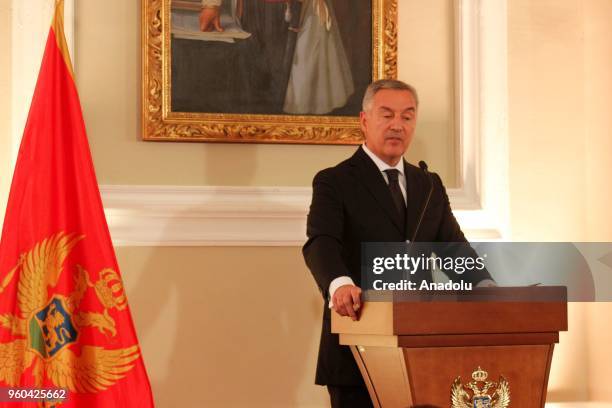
(374, 196)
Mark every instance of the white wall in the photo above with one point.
(5, 105)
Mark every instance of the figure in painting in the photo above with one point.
(210, 16)
(320, 79)
(298, 57)
(269, 21)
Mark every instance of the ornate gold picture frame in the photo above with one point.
(209, 71)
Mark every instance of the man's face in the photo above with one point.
(389, 124)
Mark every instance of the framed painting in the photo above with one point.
(262, 71)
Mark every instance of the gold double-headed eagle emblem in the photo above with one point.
(480, 390)
(46, 326)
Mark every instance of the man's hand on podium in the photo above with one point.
(347, 301)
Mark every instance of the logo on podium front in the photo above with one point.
(480, 393)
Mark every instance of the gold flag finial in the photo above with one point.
(58, 28)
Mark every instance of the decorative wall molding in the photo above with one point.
(216, 216)
(482, 80)
(224, 216)
(482, 97)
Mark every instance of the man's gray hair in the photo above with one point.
(381, 84)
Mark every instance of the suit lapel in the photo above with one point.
(415, 193)
(371, 177)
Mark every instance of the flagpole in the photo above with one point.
(69, 17)
(58, 28)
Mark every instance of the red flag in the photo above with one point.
(64, 318)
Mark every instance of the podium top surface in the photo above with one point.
(481, 311)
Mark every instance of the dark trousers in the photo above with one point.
(349, 396)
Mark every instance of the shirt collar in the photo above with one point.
(382, 166)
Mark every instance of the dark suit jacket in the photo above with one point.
(351, 204)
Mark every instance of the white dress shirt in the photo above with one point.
(382, 166)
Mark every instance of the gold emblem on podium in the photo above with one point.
(480, 393)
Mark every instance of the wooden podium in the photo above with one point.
(412, 349)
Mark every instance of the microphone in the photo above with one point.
(423, 167)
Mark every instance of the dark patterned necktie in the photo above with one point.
(396, 193)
